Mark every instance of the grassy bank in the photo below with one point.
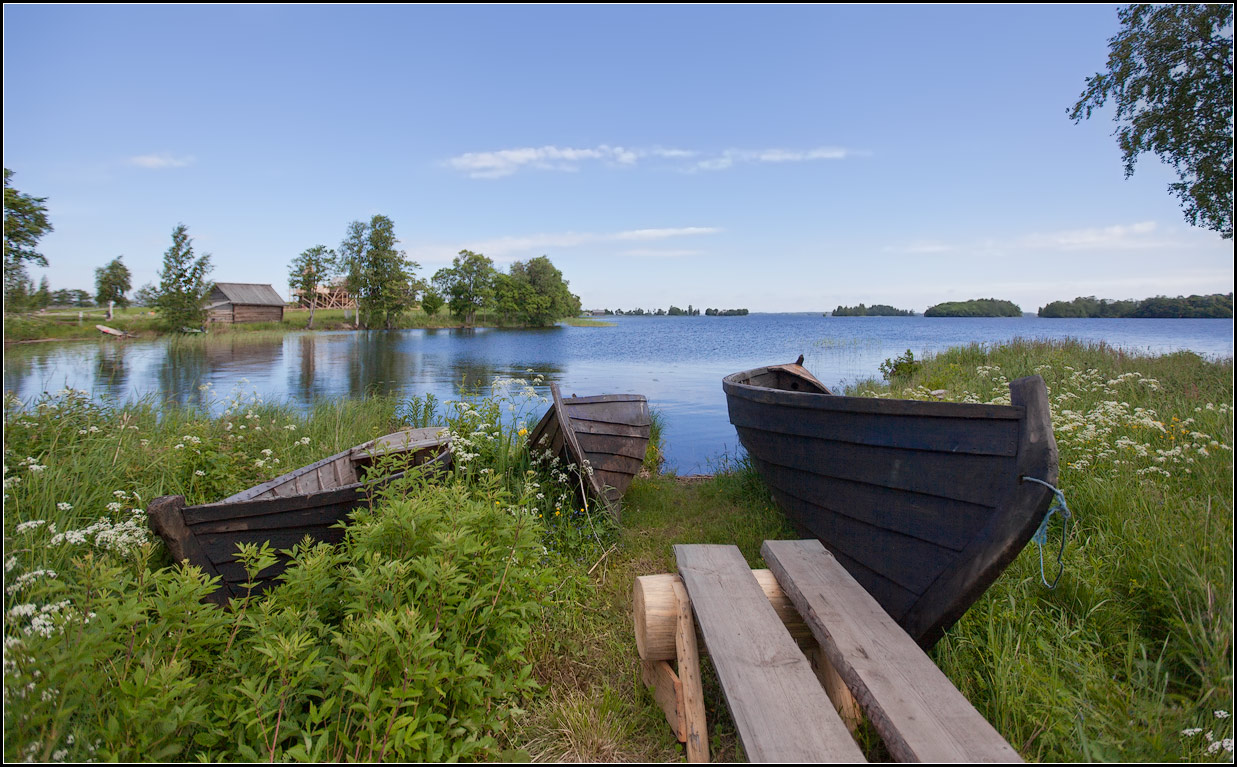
(64, 325)
(107, 654)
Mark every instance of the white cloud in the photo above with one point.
(659, 253)
(510, 248)
(505, 162)
(161, 160)
(1131, 236)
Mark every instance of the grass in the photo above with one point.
(63, 324)
(1129, 658)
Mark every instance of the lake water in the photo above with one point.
(677, 362)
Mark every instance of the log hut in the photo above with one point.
(244, 302)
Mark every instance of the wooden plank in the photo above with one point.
(919, 713)
(911, 432)
(695, 732)
(942, 521)
(667, 692)
(779, 708)
(978, 479)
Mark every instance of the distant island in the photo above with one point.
(1214, 306)
(979, 307)
(875, 310)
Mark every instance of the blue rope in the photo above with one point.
(1041, 535)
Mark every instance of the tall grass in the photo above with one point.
(1130, 657)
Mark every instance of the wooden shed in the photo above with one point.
(244, 302)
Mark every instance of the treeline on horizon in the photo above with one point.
(875, 310)
(675, 311)
(1213, 306)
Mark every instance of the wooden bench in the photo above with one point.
(761, 632)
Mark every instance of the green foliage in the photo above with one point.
(112, 282)
(1215, 306)
(724, 312)
(182, 284)
(979, 307)
(146, 295)
(467, 285)
(1170, 72)
(876, 310)
(312, 268)
(406, 642)
(25, 223)
(380, 278)
(431, 302)
(901, 367)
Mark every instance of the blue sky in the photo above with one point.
(784, 158)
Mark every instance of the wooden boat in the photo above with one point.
(311, 501)
(608, 433)
(114, 332)
(924, 503)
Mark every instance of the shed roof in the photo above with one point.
(250, 293)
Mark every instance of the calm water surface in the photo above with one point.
(677, 362)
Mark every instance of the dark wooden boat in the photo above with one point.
(311, 501)
(608, 433)
(922, 502)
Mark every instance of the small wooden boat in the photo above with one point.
(311, 501)
(924, 503)
(114, 332)
(608, 433)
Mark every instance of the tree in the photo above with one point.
(380, 278)
(182, 284)
(112, 282)
(314, 267)
(431, 302)
(42, 298)
(146, 295)
(468, 284)
(1170, 72)
(552, 300)
(25, 222)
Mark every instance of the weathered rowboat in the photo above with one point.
(608, 434)
(311, 501)
(924, 503)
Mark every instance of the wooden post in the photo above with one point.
(695, 731)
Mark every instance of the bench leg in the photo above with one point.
(695, 731)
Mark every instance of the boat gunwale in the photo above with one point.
(735, 384)
(353, 453)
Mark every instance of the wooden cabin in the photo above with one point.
(244, 302)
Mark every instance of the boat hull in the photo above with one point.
(923, 502)
(310, 501)
(610, 432)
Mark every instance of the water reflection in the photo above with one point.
(111, 372)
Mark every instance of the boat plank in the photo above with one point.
(624, 446)
(217, 511)
(295, 518)
(609, 428)
(908, 562)
(221, 547)
(919, 713)
(914, 432)
(977, 479)
(875, 405)
(779, 708)
(941, 521)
